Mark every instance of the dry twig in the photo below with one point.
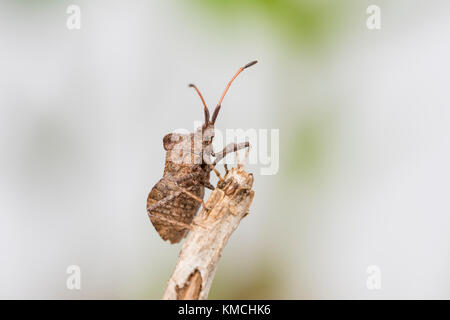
(201, 252)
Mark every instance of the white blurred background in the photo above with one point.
(363, 116)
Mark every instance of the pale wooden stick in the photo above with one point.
(200, 254)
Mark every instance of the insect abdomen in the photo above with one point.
(172, 205)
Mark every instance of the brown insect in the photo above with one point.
(174, 201)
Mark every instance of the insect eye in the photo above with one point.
(208, 136)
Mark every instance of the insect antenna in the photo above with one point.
(191, 85)
(216, 111)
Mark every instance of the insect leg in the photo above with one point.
(163, 202)
(193, 196)
(232, 147)
(192, 176)
(188, 176)
(216, 172)
(172, 221)
(209, 185)
(247, 152)
(178, 223)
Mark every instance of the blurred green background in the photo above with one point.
(364, 135)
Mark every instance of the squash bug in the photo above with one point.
(174, 201)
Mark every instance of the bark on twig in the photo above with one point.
(201, 252)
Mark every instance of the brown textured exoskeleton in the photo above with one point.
(174, 201)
